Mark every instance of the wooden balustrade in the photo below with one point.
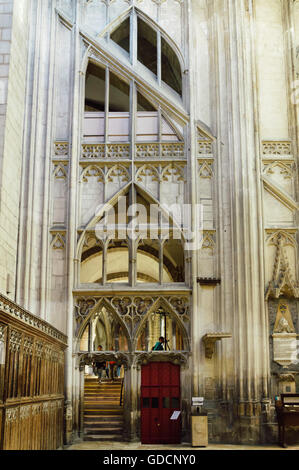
(31, 380)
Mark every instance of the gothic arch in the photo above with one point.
(93, 221)
(148, 197)
(161, 302)
(112, 26)
(98, 306)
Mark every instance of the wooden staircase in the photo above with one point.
(103, 414)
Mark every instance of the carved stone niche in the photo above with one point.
(284, 336)
(209, 341)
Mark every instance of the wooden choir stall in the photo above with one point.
(31, 380)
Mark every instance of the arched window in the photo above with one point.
(154, 255)
(161, 323)
(153, 49)
(109, 111)
(104, 330)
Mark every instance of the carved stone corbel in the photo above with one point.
(209, 341)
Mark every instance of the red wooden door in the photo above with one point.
(160, 397)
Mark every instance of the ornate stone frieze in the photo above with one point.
(271, 147)
(93, 151)
(282, 282)
(176, 357)
(118, 151)
(160, 172)
(204, 147)
(105, 173)
(150, 151)
(173, 150)
(61, 149)
(132, 308)
(105, 151)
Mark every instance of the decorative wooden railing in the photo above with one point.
(31, 380)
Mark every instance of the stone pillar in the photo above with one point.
(242, 234)
(135, 396)
(127, 403)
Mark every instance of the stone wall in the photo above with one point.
(13, 58)
(240, 156)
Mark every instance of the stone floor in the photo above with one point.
(110, 445)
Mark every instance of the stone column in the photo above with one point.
(240, 191)
(127, 403)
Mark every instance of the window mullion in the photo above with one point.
(107, 83)
(133, 117)
(159, 63)
(133, 38)
(160, 130)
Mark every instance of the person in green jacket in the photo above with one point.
(159, 345)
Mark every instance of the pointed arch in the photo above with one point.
(116, 22)
(161, 302)
(96, 218)
(102, 303)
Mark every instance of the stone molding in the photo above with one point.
(279, 147)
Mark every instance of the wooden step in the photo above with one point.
(103, 414)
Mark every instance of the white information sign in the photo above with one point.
(175, 415)
(197, 401)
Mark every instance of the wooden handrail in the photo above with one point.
(121, 392)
